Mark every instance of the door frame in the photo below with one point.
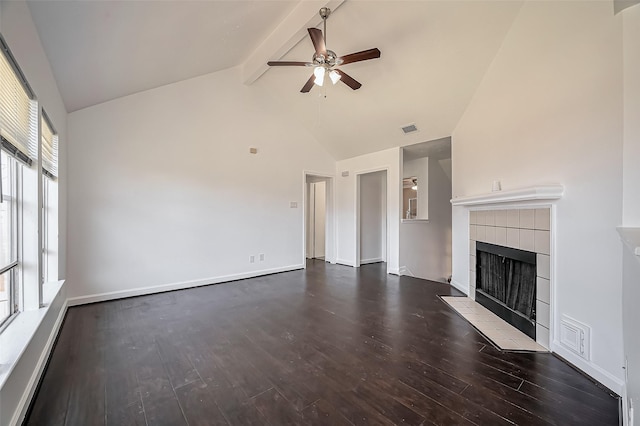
(329, 243)
(357, 218)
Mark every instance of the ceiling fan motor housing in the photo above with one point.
(328, 61)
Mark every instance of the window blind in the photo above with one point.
(17, 110)
(49, 147)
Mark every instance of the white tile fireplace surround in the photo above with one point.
(524, 229)
(520, 219)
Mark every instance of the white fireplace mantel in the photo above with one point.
(532, 193)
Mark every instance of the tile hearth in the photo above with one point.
(500, 333)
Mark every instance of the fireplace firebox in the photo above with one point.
(506, 284)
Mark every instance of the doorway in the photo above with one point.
(317, 217)
(372, 218)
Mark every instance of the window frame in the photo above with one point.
(13, 267)
(35, 225)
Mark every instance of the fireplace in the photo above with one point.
(506, 284)
(520, 218)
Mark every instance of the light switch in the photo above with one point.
(293, 205)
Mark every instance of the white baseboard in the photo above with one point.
(459, 286)
(345, 263)
(599, 374)
(141, 291)
(376, 260)
(30, 390)
(394, 271)
(403, 271)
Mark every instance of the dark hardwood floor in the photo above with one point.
(329, 345)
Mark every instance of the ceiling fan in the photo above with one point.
(324, 61)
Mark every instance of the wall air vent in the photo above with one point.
(409, 128)
(575, 336)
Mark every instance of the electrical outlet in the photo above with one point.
(261, 257)
(252, 259)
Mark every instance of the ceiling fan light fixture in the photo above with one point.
(324, 60)
(319, 73)
(334, 76)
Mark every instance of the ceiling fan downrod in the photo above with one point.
(324, 14)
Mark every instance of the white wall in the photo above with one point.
(419, 168)
(631, 201)
(373, 217)
(631, 147)
(549, 110)
(346, 204)
(425, 247)
(20, 34)
(163, 189)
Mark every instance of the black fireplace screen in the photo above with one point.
(510, 281)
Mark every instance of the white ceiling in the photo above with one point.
(434, 55)
(102, 50)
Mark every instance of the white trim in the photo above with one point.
(17, 336)
(402, 271)
(394, 271)
(346, 263)
(357, 176)
(537, 193)
(141, 291)
(597, 373)
(330, 248)
(25, 400)
(414, 220)
(458, 286)
(376, 260)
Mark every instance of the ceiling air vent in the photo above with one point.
(409, 128)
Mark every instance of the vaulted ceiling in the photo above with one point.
(102, 50)
(434, 55)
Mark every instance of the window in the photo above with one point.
(17, 111)
(19, 243)
(9, 302)
(49, 140)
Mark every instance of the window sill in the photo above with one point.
(15, 338)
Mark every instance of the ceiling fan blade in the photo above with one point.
(308, 85)
(348, 80)
(288, 64)
(318, 41)
(360, 56)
